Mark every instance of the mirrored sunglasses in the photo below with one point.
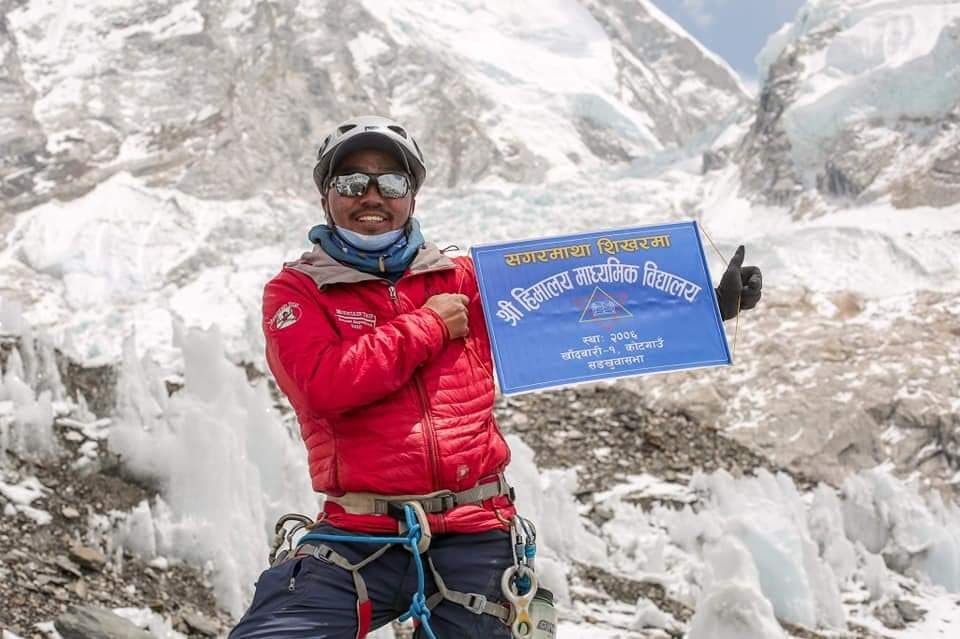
(390, 185)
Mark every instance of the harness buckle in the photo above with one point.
(323, 553)
(476, 604)
(448, 502)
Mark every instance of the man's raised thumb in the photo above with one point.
(737, 261)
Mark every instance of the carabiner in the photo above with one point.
(281, 534)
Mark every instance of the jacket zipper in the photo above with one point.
(429, 432)
(483, 365)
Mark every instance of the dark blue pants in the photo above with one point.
(322, 604)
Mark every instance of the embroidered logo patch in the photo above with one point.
(286, 315)
(357, 319)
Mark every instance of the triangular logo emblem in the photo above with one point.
(603, 308)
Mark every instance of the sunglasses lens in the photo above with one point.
(352, 185)
(392, 185)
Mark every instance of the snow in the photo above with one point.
(733, 606)
(364, 48)
(649, 616)
(757, 544)
(96, 429)
(26, 417)
(548, 496)
(681, 33)
(21, 495)
(750, 551)
(542, 65)
(61, 47)
(114, 262)
(921, 533)
(228, 466)
(765, 516)
(151, 621)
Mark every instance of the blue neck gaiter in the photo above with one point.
(390, 262)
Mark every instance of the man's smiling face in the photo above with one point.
(371, 213)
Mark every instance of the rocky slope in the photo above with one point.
(63, 570)
(859, 103)
(830, 383)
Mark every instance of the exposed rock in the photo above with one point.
(713, 160)
(68, 566)
(200, 624)
(96, 384)
(910, 612)
(89, 558)
(36, 585)
(624, 437)
(935, 180)
(856, 157)
(889, 615)
(830, 385)
(764, 154)
(90, 622)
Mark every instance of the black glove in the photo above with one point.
(739, 284)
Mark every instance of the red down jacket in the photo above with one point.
(387, 403)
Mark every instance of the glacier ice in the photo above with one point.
(227, 465)
(733, 606)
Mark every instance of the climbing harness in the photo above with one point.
(437, 502)
(310, 545)
(529, 613)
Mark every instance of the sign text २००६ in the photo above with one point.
(578, 308)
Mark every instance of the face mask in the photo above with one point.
(370, 243)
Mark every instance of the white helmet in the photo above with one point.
(369, 131)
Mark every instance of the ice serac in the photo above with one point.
(226, 100)
(860, 101)
(687, 91)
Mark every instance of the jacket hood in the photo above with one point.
(324, 270)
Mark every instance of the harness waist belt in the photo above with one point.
(433, 503)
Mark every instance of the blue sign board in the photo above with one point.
(580, 308)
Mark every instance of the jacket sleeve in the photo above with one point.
(326, 374)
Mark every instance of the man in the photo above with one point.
(378, 340)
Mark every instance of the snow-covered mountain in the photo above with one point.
(155, 170)
(228, 99)
(860, 102)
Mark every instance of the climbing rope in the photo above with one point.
(736, 330)
(412, 539)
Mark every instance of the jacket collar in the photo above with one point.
(324, 270)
